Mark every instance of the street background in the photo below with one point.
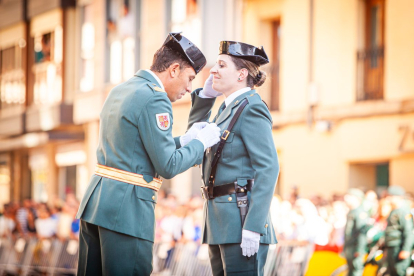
(340, 89)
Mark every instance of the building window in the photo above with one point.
(47, 67)
(370, 60)
(122, 39)
(12, 76)
(87, 49)
(274, 74)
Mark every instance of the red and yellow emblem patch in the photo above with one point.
(163, 120)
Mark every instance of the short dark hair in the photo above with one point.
(164, 57)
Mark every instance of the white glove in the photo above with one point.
(209, 135)
(250, 243)
(192, 133)
(208, 91)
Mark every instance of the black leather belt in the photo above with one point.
(225, 189)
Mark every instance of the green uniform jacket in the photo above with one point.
(130, 139)
(249, 153)
(399, 231)
(355, 230)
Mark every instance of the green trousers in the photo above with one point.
(105, 252)
(396, 266)
(227, 259)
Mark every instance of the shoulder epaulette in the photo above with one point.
(153, 86)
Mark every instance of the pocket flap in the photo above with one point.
(226, 199)
(146, 194)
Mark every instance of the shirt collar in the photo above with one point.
(156, 78)
(234, 95)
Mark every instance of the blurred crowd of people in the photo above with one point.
(317, 220)
(320, 221)
(41, 220)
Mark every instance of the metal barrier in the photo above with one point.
(286, 258)
(30, 256)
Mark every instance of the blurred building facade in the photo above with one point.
(341, 90)
(340, 85)
(60, 58)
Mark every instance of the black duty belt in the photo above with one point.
(211, 192)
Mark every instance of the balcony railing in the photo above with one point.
(370, 74)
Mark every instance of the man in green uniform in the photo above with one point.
(399, 236)
(135, 148)
(355, 232)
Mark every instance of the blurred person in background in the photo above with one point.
(240, 174)
(136, 147)
(355, 232)
(45, 225)
(7, 223)
(399, 236)
(22, 216)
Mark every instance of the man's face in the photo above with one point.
(180, 83)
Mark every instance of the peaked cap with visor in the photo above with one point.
(187, 49)
(244, 51)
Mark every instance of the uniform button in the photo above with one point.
(266, 225)
(230, 199)
(242, 190)
(153, 197)
(236, 102)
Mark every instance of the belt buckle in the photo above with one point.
(225, 135)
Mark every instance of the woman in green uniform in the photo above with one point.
(240, 172)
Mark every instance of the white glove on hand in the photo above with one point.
(208, 91)
(209, 135)
(250, 243)
(192, 133)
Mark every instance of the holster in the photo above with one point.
(242, 199)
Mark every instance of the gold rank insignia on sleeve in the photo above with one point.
(408, 217)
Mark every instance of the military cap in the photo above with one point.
(396, 191)
(187, 49)
(244, 51)
(356, 192)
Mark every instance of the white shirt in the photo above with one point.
(234, 95)
(156, 78)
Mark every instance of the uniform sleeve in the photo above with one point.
(161, 147)
(407, 232)
(200, 108)
(256, 133)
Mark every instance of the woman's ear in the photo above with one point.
(243, 73)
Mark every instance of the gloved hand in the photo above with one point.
(209, 135)
(192, 133)
(250, 243)
(208, 91)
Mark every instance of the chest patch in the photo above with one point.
(163, 121)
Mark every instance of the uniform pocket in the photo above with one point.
(146, 194)
(227, 150)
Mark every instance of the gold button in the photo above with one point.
(153, 197)
(266, 225)
(230, 199)
(251, 95)
(242, 190)
(236, 102)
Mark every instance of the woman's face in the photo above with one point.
(225, 75)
